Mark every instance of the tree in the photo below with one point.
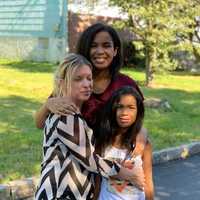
(162, 27)
(90, 4)
(195, 39)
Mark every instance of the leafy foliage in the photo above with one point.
(162, 27)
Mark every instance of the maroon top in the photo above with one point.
(96, 102)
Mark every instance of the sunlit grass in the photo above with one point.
(181, 124)
(24, 86)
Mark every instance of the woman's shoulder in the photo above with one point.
(124, 77)
(62, 119)
(71, 123)
(124, 80)
(71, 119)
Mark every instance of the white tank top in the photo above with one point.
(116, 189)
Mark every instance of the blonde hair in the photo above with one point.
(65, 72)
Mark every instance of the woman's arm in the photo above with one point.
(40, 116)
(147, 166)
(74, 133)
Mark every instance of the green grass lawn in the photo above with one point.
(25, 85)
(181, 124)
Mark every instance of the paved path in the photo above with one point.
(178, 180)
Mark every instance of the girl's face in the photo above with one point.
(126, 112)
(102, 50)
(81, 86)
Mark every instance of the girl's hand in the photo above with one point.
(61, 106)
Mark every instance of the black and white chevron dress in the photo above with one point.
(69, 161)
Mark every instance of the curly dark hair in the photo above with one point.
(87, 37)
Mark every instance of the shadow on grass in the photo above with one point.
(180, 100)
(28, 66)
(175, 127)
(20, 140)
(185, 73)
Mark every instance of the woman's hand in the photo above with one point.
(133, 174)
(61, 106)
(57, 105)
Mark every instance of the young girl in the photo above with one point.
(119, 125)
(68, 153)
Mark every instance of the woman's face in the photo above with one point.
(126, 112)
(81, 86)
(102, 50)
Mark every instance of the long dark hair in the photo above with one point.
(106, 130)
(87, 37)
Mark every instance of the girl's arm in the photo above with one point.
(141, 140)
(97, 187)
(147, 166)
(56, 105)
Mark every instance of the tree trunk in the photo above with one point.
(149, 72)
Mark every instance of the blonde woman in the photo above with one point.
(68, 153)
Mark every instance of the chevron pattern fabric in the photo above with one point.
(69, 161)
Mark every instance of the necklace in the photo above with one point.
(101, 86)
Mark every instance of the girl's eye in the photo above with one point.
(119, 106)
(132, 107)
(93, 45)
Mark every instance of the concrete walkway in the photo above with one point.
(178, 180)
(174, 180)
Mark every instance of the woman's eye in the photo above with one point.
(107, 45)
(77, 79)
(118, 106)
(89, 79)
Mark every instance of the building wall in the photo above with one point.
(77, 23)
(33, 29)
(32, 48)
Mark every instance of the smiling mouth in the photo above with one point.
(100, 60)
